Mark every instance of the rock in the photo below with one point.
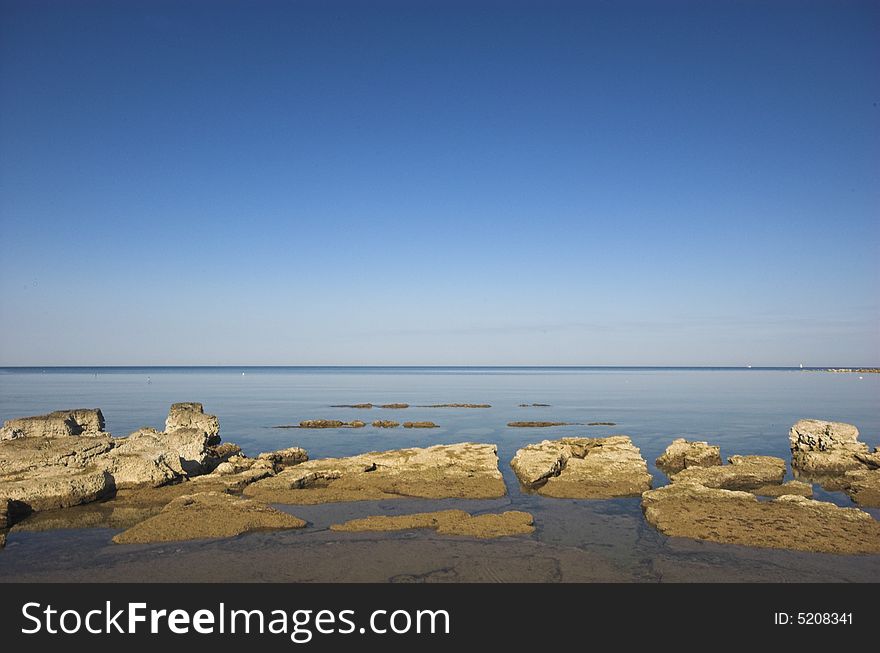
(59, 424)
(31, 453)
(583, 468)
(225, 450)
(870, 460)
(447, 522)
(419, 425)
(285, 457)
(795, 488)
(207, 515)
(362, 406)
(455, 406)
(529, 405)
(54, 487)
(385, 424)
(397, 406)
(142, 462)
(683, 453)
(821, 448)
(357, 424)
(601, 423)
(743, 473)
(4, 520)
(192, 445)
(732, 517)
(321, 424)
(191, 415)
(863, 487)
(463, 470)
(536, 424)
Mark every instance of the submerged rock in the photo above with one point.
(329, 424)
(536, 405)
(396, 406)
(463, 470)
(419, 425)
(352, 406)
(583, 468)
(682, 454)
(455, 406)
(732, 517)
(536, 424)
(385, 424)
(447, 522)
(743, 473)
(207, 515)
(822, 448)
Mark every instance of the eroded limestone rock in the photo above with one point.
(58, 424)
(583, 468)
(464, 470)
(682, 454)
(825, 448)
(863, 486)
(743, 473)
(733, 517)
(285, 457)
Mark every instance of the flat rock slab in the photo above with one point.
(207, 515)
(455, 406)
(863, 487)
(465, 470)
(797, 488)
(743, 473)
(682, 454)
(447, 522)
(583, 468)
(732, 517)
(822, 448)
(536, 425)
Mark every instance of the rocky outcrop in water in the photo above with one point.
(464, 470)
(536, 425)
(583, 468)
(385, 424)
(207, 515)
(394, 406)
(742, 473)
(731, 517)
(191, 415)
(419, 425)
(825, 448)
(447, 522)
(58, 424)
(682, 454)
(285, 457)
(455, 406)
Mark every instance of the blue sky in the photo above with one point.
(439, 183)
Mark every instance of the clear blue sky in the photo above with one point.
(439, 183)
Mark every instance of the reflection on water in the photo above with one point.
(745, 411)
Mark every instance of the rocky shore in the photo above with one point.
(63, 470)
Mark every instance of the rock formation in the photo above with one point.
(743, 473)
(419, 425)
(207, 515)
(684, 453)
(464, 470)
(59, 424)
(825, 448)
(385, 424)
(790, 522)
(583, 468)
(536, 424)
(447, 522)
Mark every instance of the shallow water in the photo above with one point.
(745, 411)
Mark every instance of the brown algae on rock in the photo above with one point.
(447, 522)
(207, 515)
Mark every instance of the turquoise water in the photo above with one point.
(746, 411)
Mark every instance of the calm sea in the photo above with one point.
(746, 411)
